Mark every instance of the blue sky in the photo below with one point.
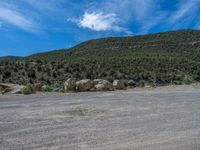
(32, 26)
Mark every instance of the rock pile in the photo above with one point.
(71, 85)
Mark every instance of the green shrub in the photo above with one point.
(131, 83)
(2, 90)
(38, 87)
(177, 82)
(142, 83)
(187, 79)
(70, 86)
(57, 87)
(47, 88)
(152, 84)
(28, 90)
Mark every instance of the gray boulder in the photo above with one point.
(17, 89)
(12, 88)
(84, 85)
(102, 85)
(96, 81)
(119, 84)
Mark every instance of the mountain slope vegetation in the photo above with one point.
(155, 59)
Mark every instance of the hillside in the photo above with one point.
(157, 59)
(10, 58)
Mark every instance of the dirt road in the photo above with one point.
(165, 118)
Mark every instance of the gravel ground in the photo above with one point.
(165, 118)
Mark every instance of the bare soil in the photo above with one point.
(164, 118)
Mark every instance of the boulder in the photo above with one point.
(96, 81)
(84, 85)
(70, 85)
(17, 89)
(147, 86)
(12, 88)
(102, 85)
(119, 84)
(4, 85)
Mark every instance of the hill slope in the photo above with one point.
(10, 58)
(170, 57)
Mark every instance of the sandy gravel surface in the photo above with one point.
(166, 118)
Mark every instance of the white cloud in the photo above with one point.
(115, 15)
(99, 21)
(15, 18)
